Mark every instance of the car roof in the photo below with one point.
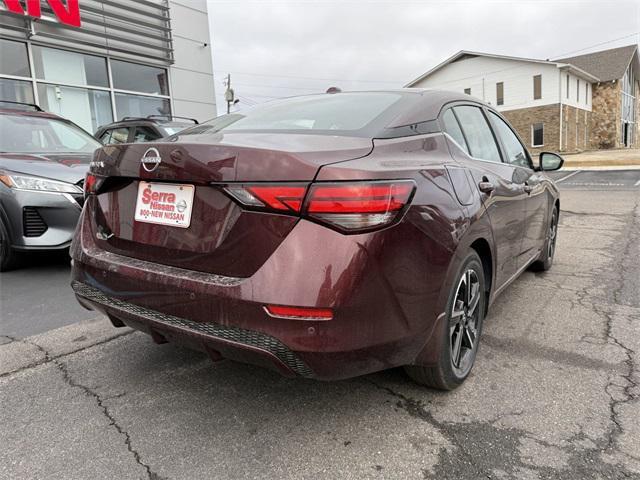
(29, 113)
(426, 105)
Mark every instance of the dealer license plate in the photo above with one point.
(164, 204)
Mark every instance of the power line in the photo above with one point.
(256, 74)
(307, 89)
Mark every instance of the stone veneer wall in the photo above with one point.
(576, 125)
(636, 139)
(605, 121)
(523, 118)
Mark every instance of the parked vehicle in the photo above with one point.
(323, 236)
(43, 161)
(142, 129)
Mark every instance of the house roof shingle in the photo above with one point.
(607, 65)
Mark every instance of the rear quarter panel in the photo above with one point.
(419, 256)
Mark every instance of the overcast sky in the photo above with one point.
(277, 48)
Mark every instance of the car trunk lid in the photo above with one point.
(221, 237)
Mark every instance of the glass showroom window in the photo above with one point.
(141, 106)
(14, 59)
(62, 66)
(64, 72)
(139, 78)
(88, 108)
(14, 63)
(79, 86)
(16, 90)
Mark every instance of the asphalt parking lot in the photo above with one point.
(554, 393)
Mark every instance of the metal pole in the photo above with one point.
(229, 100)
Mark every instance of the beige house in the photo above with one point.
(570, 104)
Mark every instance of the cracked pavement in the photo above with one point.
(554, 393)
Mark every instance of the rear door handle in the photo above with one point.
(486, 186)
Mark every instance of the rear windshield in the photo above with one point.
(342, 113)
(30, 134)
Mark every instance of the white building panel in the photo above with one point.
(192, 81)
(482, 74)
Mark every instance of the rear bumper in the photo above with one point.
(229, 341)
(384, 307)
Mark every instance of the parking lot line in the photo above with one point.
(637, 184)
(567, 176)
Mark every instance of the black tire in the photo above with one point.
(456, 358)
(8, 256)
(545, 261)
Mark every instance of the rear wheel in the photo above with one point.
(8, 256)
(545, 260)
(461, 331)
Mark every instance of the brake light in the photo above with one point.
(359, 206)
(90, 184)
(299, 313)
(280, 197)
(350, 207)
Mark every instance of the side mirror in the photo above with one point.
(550, 161)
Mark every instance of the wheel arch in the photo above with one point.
(483, 249)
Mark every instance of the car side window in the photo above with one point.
(145, 134)
(104, 138)
(516, 154)
(452, 127)
(477, 132)
(115, 136)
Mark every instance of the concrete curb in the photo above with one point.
(20, 354)
(602, 164)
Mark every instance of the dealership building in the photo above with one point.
(96, 61)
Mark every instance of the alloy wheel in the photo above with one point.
(463, 326)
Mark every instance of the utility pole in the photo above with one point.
(229, 94)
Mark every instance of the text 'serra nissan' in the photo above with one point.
(324, 236)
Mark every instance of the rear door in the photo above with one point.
(536, 204)
(501, 188)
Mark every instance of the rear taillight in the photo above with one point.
(280, 197)
(358, 206)
(350, 207)
(90, 184)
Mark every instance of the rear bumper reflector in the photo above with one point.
(299, 313)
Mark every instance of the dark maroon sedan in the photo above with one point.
(323, 236)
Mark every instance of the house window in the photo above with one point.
(577, 89)
(567, 85)
(537, 87)
(467, 91)
(500, 93)
(537, 135)
(586, 94)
